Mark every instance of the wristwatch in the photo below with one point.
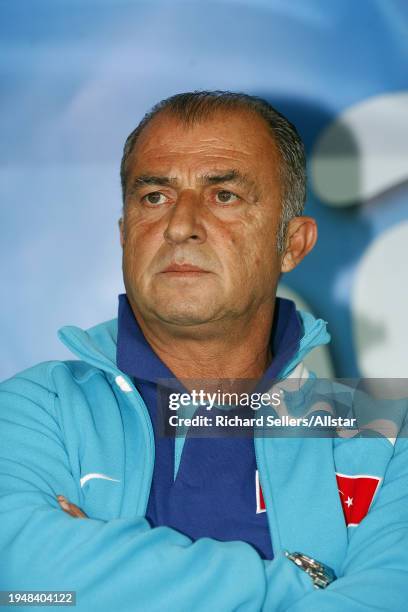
(322, 575)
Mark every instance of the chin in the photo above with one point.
(184, 318)
(187, 314)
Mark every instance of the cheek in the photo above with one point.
(142, 241)
(241, 258)
(230, 248)
(252, 240)
(259, 255)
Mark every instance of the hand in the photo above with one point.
(70, 508)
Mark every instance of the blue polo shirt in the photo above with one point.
(214, 492)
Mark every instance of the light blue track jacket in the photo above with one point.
(80, 428)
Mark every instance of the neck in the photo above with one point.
(238, 349)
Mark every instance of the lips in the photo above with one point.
(183, 269)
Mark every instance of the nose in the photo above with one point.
(185, 223)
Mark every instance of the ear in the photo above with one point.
(122, 232)
(301, 237)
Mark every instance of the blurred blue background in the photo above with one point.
(78, 75)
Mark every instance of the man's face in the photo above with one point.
(208, 197)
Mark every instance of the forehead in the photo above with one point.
(237, 136)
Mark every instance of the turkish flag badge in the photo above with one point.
(356, 495)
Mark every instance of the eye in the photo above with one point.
(155, 198)
(225, 197)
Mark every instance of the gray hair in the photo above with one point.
(194, 106)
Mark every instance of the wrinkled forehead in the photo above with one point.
(221, 132)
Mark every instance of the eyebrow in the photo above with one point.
(228, 176)
(151, 179)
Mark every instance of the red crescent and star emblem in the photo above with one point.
(356, 495)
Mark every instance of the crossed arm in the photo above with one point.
(125, 564)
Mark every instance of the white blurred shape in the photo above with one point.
(379, 303)
(363, 152)
(319, 360)
(342, 283)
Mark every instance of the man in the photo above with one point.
(213, 190)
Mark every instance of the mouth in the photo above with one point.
(183, 270)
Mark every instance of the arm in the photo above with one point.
(374, 575)
(113, 565)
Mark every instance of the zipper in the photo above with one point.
(259, 447)
(135, 400)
